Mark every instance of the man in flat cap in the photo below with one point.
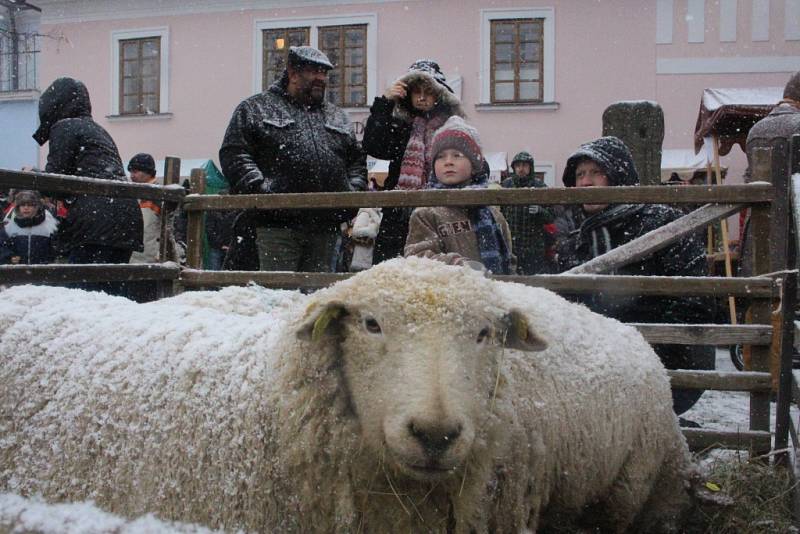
(289, 139)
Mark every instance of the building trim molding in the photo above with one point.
(77, 11)
(727, 65)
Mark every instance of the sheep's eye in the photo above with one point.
(372, 325)
(483, 335)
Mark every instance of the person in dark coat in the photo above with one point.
(289, 139)
(399, 128)
(26, 234)
(219, 234)
(528, 223)
(96, 229)
(608, 162)
(781, 123)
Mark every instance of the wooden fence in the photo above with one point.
(771, 282)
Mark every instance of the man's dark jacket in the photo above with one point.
(527, 224)
(618, 224)
(81, 147)
(274, 144)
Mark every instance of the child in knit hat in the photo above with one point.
(457, 234)
(26, 233)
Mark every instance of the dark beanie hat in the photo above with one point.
(457, 134)
(143, 162)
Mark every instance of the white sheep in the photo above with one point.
(412, 397)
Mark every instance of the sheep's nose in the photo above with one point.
(435, 438)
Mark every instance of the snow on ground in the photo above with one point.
(20, 515)
(722, 410)
(726, 410)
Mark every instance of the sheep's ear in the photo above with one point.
(320, 321)
(519, 336)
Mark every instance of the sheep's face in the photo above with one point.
(421, 371)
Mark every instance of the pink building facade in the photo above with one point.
(211, 55)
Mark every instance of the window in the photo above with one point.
(276, 51)
(18, 58)
(139, 86)
(350, 42)
(346, 47)
(140, 78)
(516, 60)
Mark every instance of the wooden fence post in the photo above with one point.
(172, 174)
(761, 308)
(166, 249)
(782, 417)
(194, 231)
(779, 214)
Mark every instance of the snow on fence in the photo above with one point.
(769, 221)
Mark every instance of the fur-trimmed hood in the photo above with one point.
(445, 100)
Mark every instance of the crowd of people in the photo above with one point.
(291, 139)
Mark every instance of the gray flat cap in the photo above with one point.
(308, 55)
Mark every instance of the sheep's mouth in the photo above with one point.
(428, 471)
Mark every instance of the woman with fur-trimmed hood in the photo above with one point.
(400, 127)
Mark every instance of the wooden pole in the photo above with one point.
(761, 308)
(655, 240)
(710, 230)
(782, 416)
(724, 224)
(166, 248)
(194, 231)
(172, 173)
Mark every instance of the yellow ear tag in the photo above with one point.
(713, 487)
(323, 321)
(520, 328)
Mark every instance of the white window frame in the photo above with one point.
(314, 24)
(549, 170)
(548, 42)
(144, 33)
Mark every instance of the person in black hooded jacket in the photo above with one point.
(96, 229)
(597, 229)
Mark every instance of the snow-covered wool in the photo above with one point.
(412, 397)
(34, 516)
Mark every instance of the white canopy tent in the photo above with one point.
(683, 162)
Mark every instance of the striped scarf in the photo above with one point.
(416, 164)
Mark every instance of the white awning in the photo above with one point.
(751, 96)
(682, 161)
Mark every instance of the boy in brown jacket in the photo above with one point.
(456, 234)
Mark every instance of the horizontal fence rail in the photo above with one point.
(747, 440)
(705, 334)
(80, 185)
(720, 381)
(98, 272)
(728, 194)
(754, 287)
